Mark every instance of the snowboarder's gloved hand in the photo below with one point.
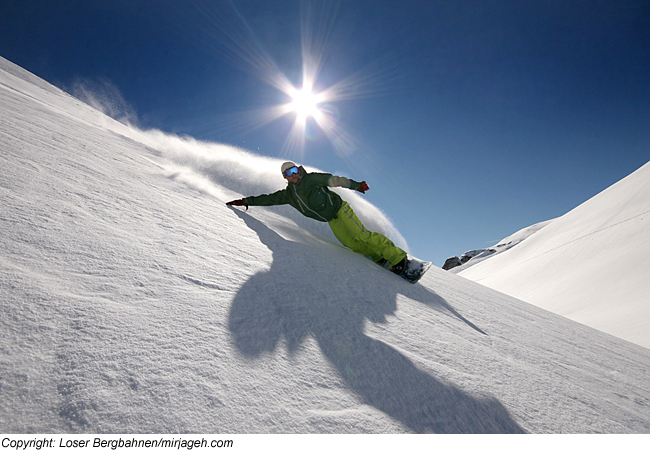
(237, 203)
(364, 187)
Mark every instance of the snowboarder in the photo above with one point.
(309, 193)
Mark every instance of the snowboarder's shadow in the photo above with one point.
(289, 301)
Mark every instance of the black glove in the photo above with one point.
(237, 203)
(364, 187)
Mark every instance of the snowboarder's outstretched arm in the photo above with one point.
(342, 181)
(276, 198)
(272, 199)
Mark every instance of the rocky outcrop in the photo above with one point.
(451, 263)
(455, 261)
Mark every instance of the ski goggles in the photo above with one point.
(290, 172)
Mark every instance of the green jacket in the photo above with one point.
(310, 195)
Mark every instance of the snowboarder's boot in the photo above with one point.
(400, 267)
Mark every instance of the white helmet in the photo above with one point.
(286, 166)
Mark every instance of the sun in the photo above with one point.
(305, 103)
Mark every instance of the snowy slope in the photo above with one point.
(590, 265)
(134, 300)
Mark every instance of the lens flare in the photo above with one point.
(313, 108)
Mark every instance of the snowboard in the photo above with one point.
(414, 271)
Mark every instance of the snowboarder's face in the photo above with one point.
(293, 179)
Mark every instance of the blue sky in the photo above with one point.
(468, 119)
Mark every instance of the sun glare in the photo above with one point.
(305, 103)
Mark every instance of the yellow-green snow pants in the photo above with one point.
(350, 231)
